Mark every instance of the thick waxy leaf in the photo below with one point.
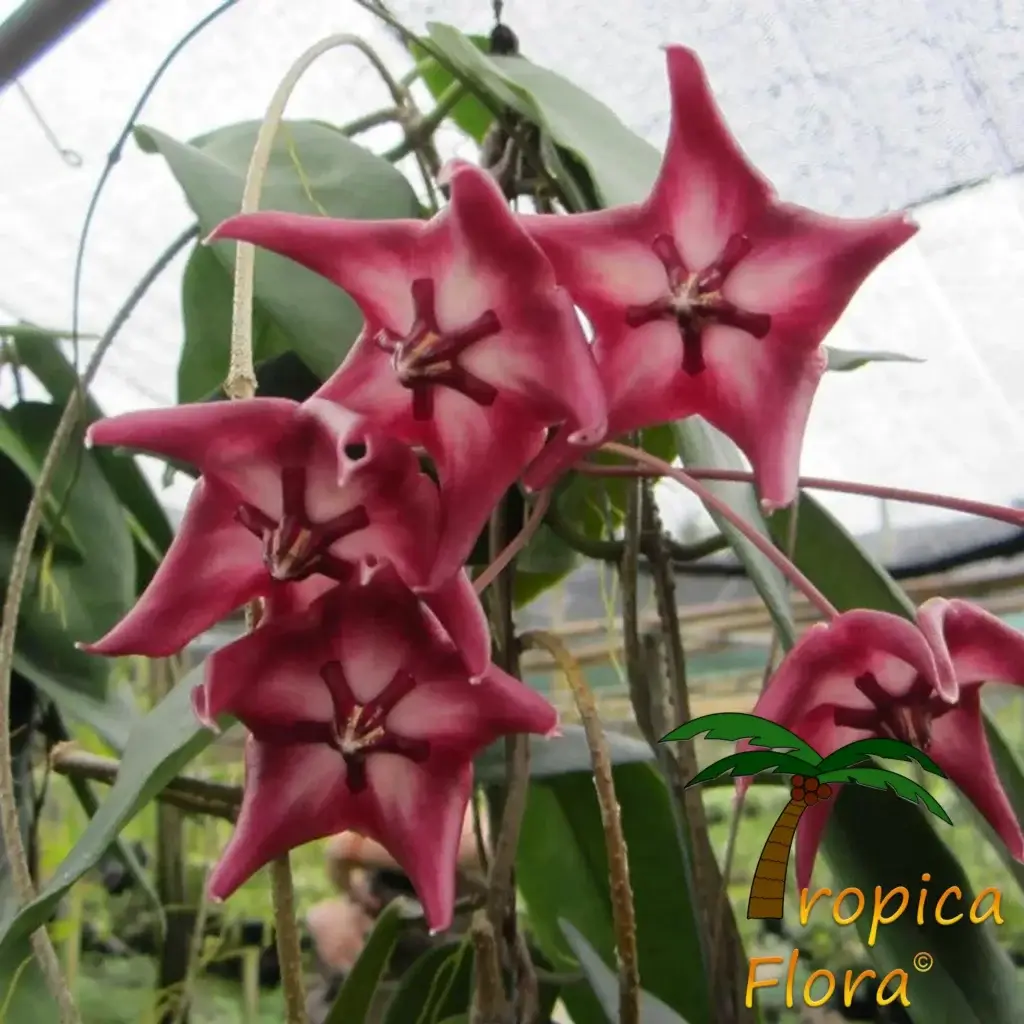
(621, 165)
(875, 839)
(605, 983)
(313, 169)
(842, 359)
(892, 750)
(700, 444)
(161, 746)
(41, 355)
(356, 997)
(973, 980)
(436, 987)
(70, 600)
(558, 755)
(732, 726)
(469, 113)
(751, 762)
(562, 870)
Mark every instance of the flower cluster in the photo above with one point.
(367, 685)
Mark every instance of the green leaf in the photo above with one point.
(437, 986)
(842, 359)
(752, 762)
(893, 750)
(44, 359)
(605, 983)
(882, 778)
(161, 745)
(559, 755)
(873, 839)
(206, 291)
(338, 178)
(700, 444)
(732, 726)
(621, 165)
(469, 113)
(32, 334)
(358, 992)
(844, 572)
(562, 871)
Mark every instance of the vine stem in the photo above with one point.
(241, 379)
(521, 539)
(820, 483)
(762, 543)
(623, 912)
(20, 565)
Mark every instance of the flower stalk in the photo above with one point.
(762, 543)
(985, 510)
(623, 912)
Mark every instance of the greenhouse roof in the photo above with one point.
(853, 109)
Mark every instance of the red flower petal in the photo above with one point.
(822, 667)
(707, 191)
(462, 616)
(982, 647)
(960, 748)
(212, 567)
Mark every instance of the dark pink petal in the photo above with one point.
(367, 467)
(759, 394)
(982, 647)
(372, 260)
(270, 676)
(212, 567)
(235, 441)
(462, 616)
(461, 720)
(293, 795)
(554, 459)
(822, 667)
(417, 814)
(541, 354)
(804, 268)
(707, 191)
(960, 748)
(479, 454)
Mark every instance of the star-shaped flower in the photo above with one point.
(711, 297)
(470, 348)
(361, 717)
(869, 673)
(289, 503)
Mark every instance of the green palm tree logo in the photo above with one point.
(781, 752)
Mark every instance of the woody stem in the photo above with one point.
(759, 541)
(819, 483)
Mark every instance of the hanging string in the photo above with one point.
(70, 156)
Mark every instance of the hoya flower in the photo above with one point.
(470, 349)
(288, 504)
(361, 717)
(871, 674)
(711, 297)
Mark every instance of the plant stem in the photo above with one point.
(20, 565)
(289, 952)
(194, 796)
(241, 379)
(504, 557)
(762, 543)
(1001, 513)
(423, 128)
(623, 913)
(371, 120)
